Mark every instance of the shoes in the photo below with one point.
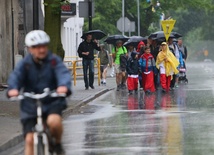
(123, 86)
(101, 82)
(59, 149)
(86, 88)
(92, 87)
(104, 83)
(164, 90)
(130, 92)
(171, 88)
(176, 86)
(118, 87)
(148, 92)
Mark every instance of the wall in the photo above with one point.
(71, 31)
(6, 36)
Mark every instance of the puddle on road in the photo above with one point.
(158, 124)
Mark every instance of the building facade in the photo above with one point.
(16, 21)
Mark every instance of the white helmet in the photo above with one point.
(36, 37)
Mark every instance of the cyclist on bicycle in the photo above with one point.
(38, 70)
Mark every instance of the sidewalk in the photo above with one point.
(10, 128)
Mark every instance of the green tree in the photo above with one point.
(53, 25)
(106, 15)
(186, 12)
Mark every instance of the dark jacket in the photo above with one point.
(132, 65)
(33, 77)
(155, 51)
(87, 47)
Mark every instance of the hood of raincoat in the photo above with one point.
(141, 43)
(133, 54)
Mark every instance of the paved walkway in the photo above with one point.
(10, 127)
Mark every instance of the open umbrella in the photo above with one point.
(159, 35)
(134, 41)
(114, 38)
(176, 34)
(97, 34)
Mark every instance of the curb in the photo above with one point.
(19, 138)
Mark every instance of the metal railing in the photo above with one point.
(73, 67)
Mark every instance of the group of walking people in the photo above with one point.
(149, 65)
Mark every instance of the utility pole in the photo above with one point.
(138, 17)
(89, 15)
(13, 52)
(123, 17)
(35, 14)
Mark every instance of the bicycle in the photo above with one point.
(42, 137)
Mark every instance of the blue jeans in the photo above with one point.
(88, 64)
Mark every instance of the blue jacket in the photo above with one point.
(33, 77)
(151, 64)
(181, 61)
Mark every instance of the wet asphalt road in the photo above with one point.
(177, 123)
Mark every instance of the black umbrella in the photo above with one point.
(159, 35)
(134, 41)
(97, 34)
(176, 34)
(113, 39)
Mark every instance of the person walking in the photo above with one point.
(167, 64)
(173, 47)
(182, 48)
(119, 54)
(140, 50)
(132, 71)
(131, 49)
(86, 52)
(148, 68)
(104, 61)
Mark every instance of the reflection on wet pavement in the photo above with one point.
(177, 123)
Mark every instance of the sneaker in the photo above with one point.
(101, 82)
(92, 87)
(59, 149)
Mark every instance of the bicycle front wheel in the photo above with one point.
(40, 146)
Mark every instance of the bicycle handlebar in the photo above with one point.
(46, 93)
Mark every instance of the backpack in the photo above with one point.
(53, 63)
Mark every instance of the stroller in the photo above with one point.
(182, 75)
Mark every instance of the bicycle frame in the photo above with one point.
(40, 131)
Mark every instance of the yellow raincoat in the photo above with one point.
(169, 61)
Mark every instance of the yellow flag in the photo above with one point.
(167, 26)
